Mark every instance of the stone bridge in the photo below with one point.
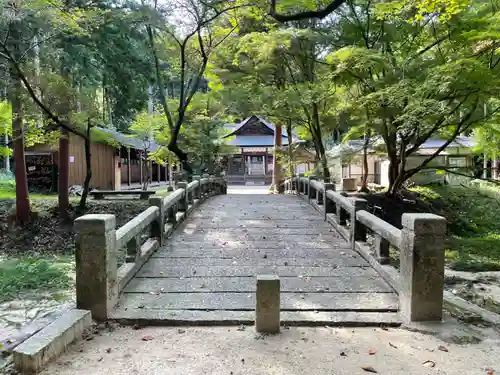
(194, 256)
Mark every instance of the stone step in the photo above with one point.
(288, 318)
(47, 344)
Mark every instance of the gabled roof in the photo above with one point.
(127, 140)
(356, 146)
(234, 128)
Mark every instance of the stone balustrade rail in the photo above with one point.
(421, 242)
(99, 277)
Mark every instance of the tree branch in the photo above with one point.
(322, 13)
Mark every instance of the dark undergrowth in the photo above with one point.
(472, 213)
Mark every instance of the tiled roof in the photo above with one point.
(128, 140)
(235, 127)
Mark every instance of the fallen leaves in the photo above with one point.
(372, 352)
(147, 338)
(442, 348)
(429, 364)
(369, 369)
(392, 345)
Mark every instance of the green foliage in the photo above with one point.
(472, 214)
(28, 274)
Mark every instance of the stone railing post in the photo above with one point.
(300, 187)
(96, 264)
(224, 185)
(358, 230)
(267, 310)
(340, 215)
(183, 202)
(158, 226)
(422, 267)
(211, 184)
(311, 192)
(381, 249)
(319, 197)
(197, 189)
(206, 186)
(328, 203)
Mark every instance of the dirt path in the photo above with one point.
(315, 351)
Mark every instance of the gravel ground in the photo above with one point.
(233, 350)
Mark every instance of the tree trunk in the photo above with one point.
(63, 181)
(145, 171)
(23, 212)
(88, 176)
(319, 141)
(393, 176)
(181, 155)
(364, 177)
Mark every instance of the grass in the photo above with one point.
(8, 191)
(162, 193)
(43, 274)
(473, 214)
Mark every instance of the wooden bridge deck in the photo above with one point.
(206, 273)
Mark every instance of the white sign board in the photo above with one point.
(71, 159)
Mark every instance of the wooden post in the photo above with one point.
(158, 171)
(141, 169)
(129, 168)
(276, 164)
(63, 182)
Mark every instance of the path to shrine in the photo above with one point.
(207, 270)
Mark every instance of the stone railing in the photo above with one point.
(99, 277)
(420, 279)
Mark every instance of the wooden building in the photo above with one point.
(116, 163)
(254, 139)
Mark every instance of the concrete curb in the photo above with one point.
(50, 342)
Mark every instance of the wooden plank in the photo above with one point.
(246, 301)
(276, 258)
(247, 284)
(153, 269)
(288, 318)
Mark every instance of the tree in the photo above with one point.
(187, 45)
(86, 53)
(281, 75)
(431, 87)
(145, 129)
